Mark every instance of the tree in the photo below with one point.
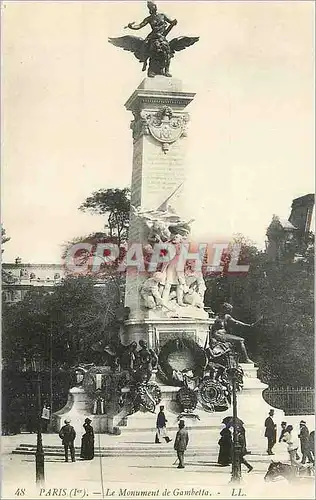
(83, 314)
(25, 328)
(115, 204)
(227, 286)
(77, 314)
(286, 299)
(4, 238)
(282, 344)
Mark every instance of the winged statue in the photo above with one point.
(155, 51)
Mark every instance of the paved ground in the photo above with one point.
(146, 477)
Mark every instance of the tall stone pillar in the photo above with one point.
(159, 131)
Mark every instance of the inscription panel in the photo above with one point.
(137, 174)
(165, 335)
(162, 173)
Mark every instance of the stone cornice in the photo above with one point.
(143, 98)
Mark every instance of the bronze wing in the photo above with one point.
(133, 44)
(182, 42)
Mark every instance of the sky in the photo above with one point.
(65, 131)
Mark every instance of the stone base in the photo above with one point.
(161, 83)
(157, 331)
(251, 407)
(77, 409)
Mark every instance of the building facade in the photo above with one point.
(290, 236)
(19, 278)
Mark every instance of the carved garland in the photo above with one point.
(162, 125)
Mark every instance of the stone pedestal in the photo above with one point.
(78, 408)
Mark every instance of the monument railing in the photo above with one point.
(292, 400)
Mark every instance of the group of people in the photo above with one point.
(182, 437)
(68, 435)
(225, 456)
(181, 440)
(225, 442)
(287, 436)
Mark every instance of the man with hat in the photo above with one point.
(283, 427)
(270, 432)
(161, 426)
(305, 443)
(68, 434)
(181, 443)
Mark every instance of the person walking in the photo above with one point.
(270, 432)
(292, 446)
(305, 443)
(243, 451)
(283, 427)
(312, 444)
(161, 427)
(225, 447)
(68, 434)
(181, 443)
(87, 441)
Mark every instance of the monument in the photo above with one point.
(171, 352)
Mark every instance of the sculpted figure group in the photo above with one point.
(174, 285)
(155, 50)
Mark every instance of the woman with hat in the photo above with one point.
(87, 441)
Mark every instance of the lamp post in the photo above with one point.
(39, 454)
(51, 376)
(236, 465)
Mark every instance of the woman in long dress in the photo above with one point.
(225, 447)
(87, 441)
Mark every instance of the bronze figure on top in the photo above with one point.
(155, 50)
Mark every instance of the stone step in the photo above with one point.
(114, 451)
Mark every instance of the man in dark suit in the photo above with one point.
(305, 443)
(181, 443)
(283, 427)
(312, 444)
(270, 432)
(161, 427)
(68, 434)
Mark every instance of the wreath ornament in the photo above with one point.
(181, 360)
(214, 395)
